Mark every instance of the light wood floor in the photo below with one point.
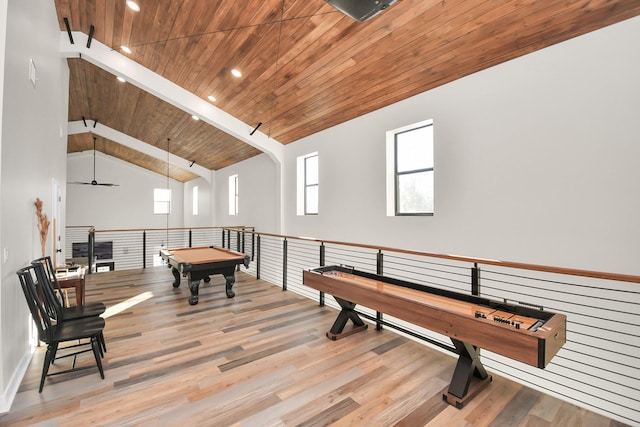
(260, 359)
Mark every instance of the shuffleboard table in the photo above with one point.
(529, 335)
(201, 262)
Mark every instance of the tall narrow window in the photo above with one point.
(161, 201)
(311, 185)
(308, 184)
(233, 195)
(411, 182)
(194, 200)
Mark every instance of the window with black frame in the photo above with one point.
(414, 183)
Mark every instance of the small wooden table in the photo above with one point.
(73, 279)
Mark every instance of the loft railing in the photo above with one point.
(139, 248)
(598, 368)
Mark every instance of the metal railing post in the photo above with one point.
(475, 279)
(322, 254)
(144, 249)
(322, 261)
(284, 264)
(238, 247)
(379, 271)
(90, 250)
(258, 259)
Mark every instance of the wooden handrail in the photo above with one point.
(510, 264)
(165, 229)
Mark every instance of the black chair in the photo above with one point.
(47, 273)
(53, 333)
(54, 303)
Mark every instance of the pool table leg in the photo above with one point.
(194, 285)
(231, 279)
(176, 276)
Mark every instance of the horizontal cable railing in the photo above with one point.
(598, 367)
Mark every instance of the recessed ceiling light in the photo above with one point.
(125, 49)
(212, 98)
(121, 79)
(133, 5)
(236, 72)
(194, 117)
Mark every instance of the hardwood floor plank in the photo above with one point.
(331, 414)
(515, 411)
(253, 356)
(389, 346)
(425, 412)
(274, 413)
(546, 408)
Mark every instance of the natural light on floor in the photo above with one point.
(122, 306)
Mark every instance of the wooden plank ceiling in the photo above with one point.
(306, 67)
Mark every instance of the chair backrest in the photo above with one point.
(46, 289)
(39, 314)
(47, 264)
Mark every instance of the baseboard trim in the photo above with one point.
(6, 398)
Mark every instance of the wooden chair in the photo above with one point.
(53, 333)
(55, 305)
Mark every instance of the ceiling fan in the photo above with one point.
(93, 181)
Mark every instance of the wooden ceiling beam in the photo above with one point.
(78, 127)
(119, 65)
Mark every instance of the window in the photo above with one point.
(233, 195)
(161, 201)
(410, 170)
(194, 200)
(308, 184)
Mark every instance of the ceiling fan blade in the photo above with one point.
(94, 182)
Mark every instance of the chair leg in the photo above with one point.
(103, 344)
(49, 357)
(95, 345)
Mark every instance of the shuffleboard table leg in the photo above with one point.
(176, 276)
(347, 313)
(194, 285)
(469, 376)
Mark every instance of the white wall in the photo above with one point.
(33, 155)
(130, 205)
(259, 202)
(536, 160)
(206, 207)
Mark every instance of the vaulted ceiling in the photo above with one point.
(305, 66)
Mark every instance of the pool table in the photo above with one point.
(201, 262)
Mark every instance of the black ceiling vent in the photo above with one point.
(361, 10)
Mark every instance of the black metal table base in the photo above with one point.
(469, 376)
(194, 279)
(347, 313)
